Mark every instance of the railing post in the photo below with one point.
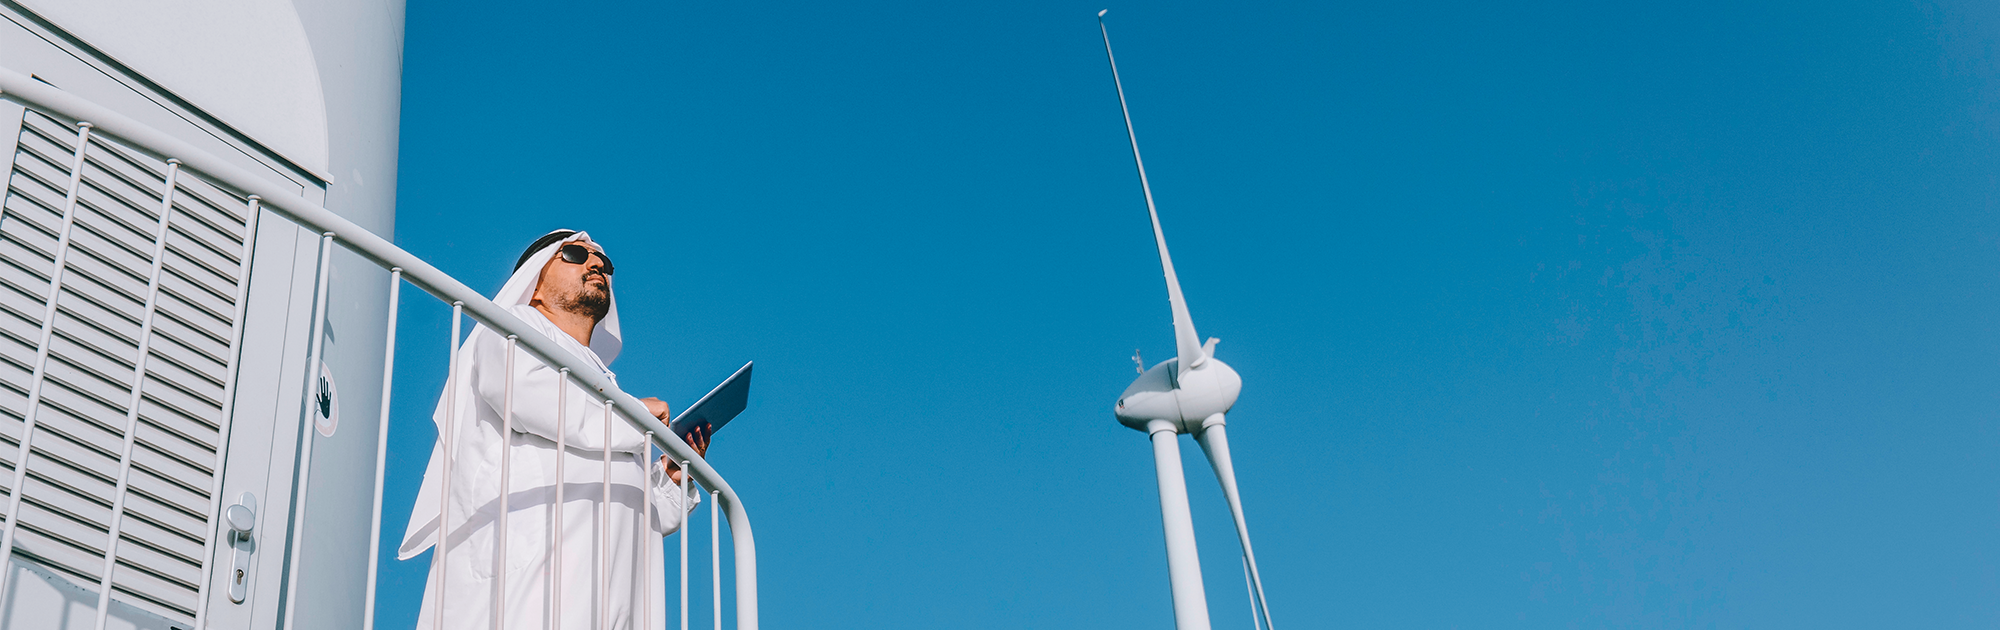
(604, 533)
(446, 446)
(556, 528)
(41, 361)
(746, 564)
(687, 475)
(306, 430)
(646, 538)
(715, 557)
(381, 453)
(506, 488)
(138, 390)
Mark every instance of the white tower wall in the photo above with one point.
(308, 93)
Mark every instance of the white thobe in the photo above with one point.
(636, 571)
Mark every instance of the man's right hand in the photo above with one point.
(657, 407)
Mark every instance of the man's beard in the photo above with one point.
(589, 301)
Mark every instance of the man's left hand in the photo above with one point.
(698, 439)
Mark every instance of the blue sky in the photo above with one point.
(1576, 315)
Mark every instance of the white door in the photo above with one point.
(139, 311)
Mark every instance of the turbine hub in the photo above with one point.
(1186, 400)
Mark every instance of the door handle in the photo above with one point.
(242, 520)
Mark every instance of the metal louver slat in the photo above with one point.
(187, 344)
(81, 392)
(154, 573)
(193, 252)
(110, 217)
(102, 355)
(30, 235)
(179, 401)
(50, 130)
(81, 473)
(195, 435)
(82, 409)
(170, 494)
(41, 165)
(52, 536)
(204, 267)
(147, 505)
(163, 538)
(170, 369)
(28, 230)
(107, 262)
(102, 339)
(206, 302)
(156, 454)
(16, 294)
(89, 274)
(13, 368)
(211, 229)
(134, 176)
(28, 213)
(18, 328)
(43, 161)
(217, 208)
(97, 312)
(108, 342)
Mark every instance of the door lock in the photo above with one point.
(242, 520)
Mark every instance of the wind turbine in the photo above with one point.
(1189, 393)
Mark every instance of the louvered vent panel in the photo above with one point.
(94, 351)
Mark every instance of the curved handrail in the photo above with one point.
(387, 255)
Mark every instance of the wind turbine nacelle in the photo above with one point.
(1186, 400)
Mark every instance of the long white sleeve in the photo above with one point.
(535, 399)
(670, 505)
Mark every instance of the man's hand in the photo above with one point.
(657, 407)
(698, 438)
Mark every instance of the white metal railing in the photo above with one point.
(91, 118)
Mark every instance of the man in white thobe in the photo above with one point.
(561, 288)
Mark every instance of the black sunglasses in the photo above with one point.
(577, 254)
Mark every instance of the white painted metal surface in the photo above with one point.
(381, 452)
(556, 528)
(39, 379)
(683, 536)
(225, 431)
(134, 400)
(195, 49)
(321, 286)
(131, 425)
(714, 560)
(646, 514)
(138, 525)
(1183, 561)
(604, 533)
(507, 483)
(448, 434)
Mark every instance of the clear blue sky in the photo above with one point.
(1594, 315)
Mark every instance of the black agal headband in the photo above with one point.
(544, 241)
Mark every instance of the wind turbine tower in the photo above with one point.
(1190, 393)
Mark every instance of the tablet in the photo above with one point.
(718, 407)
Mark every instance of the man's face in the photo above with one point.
(580, 288)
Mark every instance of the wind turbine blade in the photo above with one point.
(1215, 444)
(1186, 342)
